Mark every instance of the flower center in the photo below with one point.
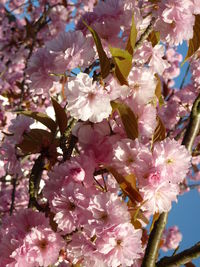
(43, 244)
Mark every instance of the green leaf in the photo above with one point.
(42, 118)
(132, 38)
(61, 116)
(128, 118)
(154, 38)
(194, 43)
(160, 132)
(104, 60)
(120, 53)
(35, 140)
(123, 64)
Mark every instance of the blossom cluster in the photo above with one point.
(92, 128)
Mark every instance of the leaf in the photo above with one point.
(160, 132)
(194, 43)
(120, 53)
(155, 218)
(61, 116)
(123, 64)
(132, 38)
(42, 118)
(128, 118)
(154, 38)
(126, 186)
(35, 140)
(158, 91)
(104, 60)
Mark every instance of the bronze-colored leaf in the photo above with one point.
(35, 140)
(194, 43)
(132, 38)
(123, 64)
(104, 60)
(126, 186)
(40, 117)
(128, 118)
(154, 38)
(158, 91)
(61, 116)
(160, 131)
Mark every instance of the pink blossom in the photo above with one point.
(195, 70)
(8, 154)
(40, 248)
(172, 160)
(108, 211)
(18, 127)
(175, 21)
(172, 237)
(157, 197)
(174, 59)
(74, 49)
(40, 68)
(169, 113)
(85, 99)
(142, 84)
(70, 207)
(196, 6)
(132, 157)
(153, 56)
(120, 245)
(147, 122)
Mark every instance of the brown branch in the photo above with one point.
(151, 252)
(180, 258)
(194, 125)
(14, 183)
(68, 141)
(145, 34)
(34, 180)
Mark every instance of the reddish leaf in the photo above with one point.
(154, 38)
(41, 117)
(132, 37)
(123, 64)
(35, 140)
(126, 186)
(128, 118)
(194, 43)
(160, 132)
(104, 60)
(61, 116)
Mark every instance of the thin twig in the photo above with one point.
(185, 76)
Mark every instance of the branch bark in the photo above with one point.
(180, 258)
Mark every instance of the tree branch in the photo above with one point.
(154, 241)
(151, 252)
(180, 258)
(34, 180)
(14, 183)
(145, 34)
